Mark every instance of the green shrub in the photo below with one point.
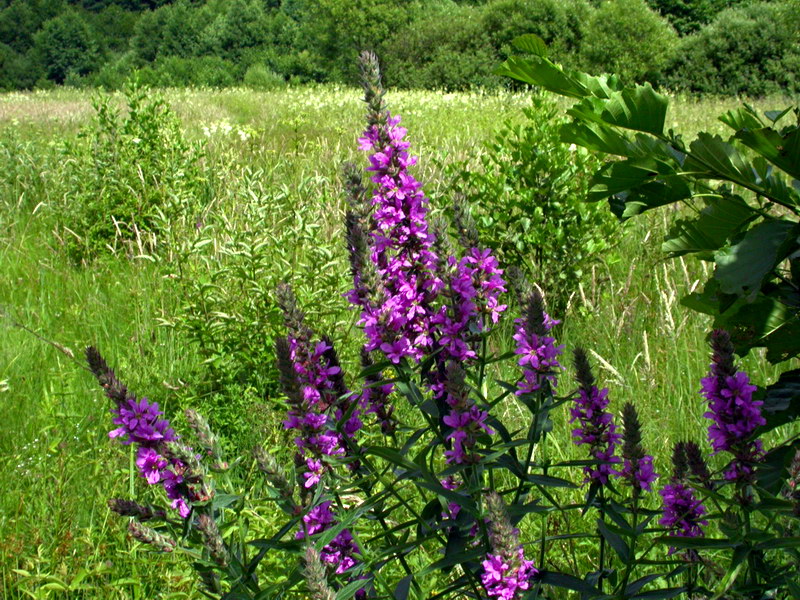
(559, 23)
(628, 39)
(174, 71)
(116, 72)
(66, 45)
(128, 176)
(752, 49)
(259, 77)
(225, 274)
(529, 202)
(687, 16)
(444, 47)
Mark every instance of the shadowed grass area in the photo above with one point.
(279, 151)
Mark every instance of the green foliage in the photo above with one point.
(129, 176)
(529, 203)
(336, 31)
(753, 49)
(66, 45)
(687, 16)
(431, 53)
(259, 77)
(560, 24)
(18, 70)
(627, 38)
(174, 71)
(225, 275)
(742, 190)
(173, 30)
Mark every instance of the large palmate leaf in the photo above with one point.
(742, 267)
(752, 177)
(711, 157)
(721, 219)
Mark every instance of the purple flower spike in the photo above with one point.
(638, 466)
(506, 574)
(682, 511)
(538, 354)
(731, 407)
(597, 429)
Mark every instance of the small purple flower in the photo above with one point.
(638, 466)
(150, 464)
(506, 573)
(502, 580)
(639, 472)
(141, 423)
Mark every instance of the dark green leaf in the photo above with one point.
(697, 543)
(562, 580)
(782, 400)
(781, 151)
(741, 268)
(403, 588)
(718, 222)
(349, 590)
(614, 540)
(661, 594)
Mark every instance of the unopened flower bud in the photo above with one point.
(150, 536)
(212, 539)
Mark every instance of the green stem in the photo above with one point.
(632, 550)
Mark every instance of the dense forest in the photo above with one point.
(707, 46)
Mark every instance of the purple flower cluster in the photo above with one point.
(141, 422)
(597, 428)
(638, 466)
(474, 285)
(340, 552)
(734, 413)
(639, 472)
(313, 382)
(399, 325)
(503, 580)
(315, 438)
(538, 354)
(683, 513)
(474, 288)
(506, 573)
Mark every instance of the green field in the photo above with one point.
(270, 169)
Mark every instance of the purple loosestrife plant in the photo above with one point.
(318, 398)
(637, 467)
(682, 511)
(506, 574)
(538, 354)
(731, 407)
(141, 422)
(398, 323)
(597, 429)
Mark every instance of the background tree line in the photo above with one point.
(709, 46)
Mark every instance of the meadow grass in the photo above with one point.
(282, 150)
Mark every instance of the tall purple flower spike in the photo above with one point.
(398, 322)
(597, 429)
(732, 410)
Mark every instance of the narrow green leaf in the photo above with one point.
(615, 541)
